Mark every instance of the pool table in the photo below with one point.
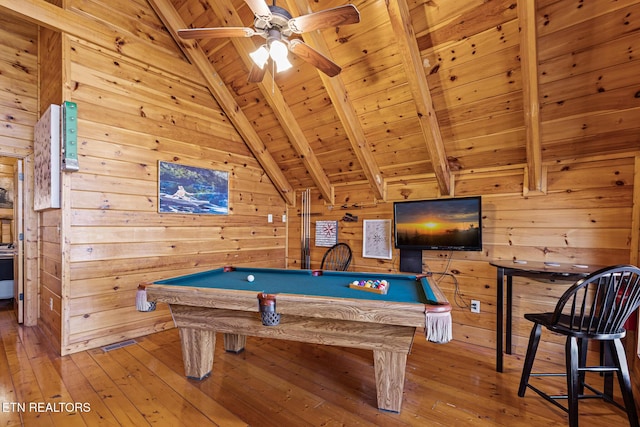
(312, 306)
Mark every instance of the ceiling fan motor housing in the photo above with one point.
(279, 19)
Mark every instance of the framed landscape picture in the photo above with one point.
(192, 190)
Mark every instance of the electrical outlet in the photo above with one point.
(475, 306)
(50, 303)
(270, 218)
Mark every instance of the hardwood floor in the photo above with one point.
(271, 383)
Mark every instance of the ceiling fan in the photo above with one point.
(276, 25)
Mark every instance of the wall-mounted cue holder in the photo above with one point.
(69, 133)
(349, 218)
(352, 206)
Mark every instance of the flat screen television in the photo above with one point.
(439, 224)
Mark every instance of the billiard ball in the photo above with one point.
(250, 278)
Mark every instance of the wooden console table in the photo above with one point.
(560, 273)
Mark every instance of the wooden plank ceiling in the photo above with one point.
(428, 89)
(379, 118)
(323, 131)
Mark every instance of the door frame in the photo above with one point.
(26, 239)
(18, 240)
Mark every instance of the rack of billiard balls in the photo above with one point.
(375, 286)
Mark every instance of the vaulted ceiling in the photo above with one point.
(429, 89)
(378, 119)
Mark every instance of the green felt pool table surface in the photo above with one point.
(404, 288)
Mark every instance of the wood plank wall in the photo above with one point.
(134, 113)
(50, 221)
(18, 81)
(19, 104)
(585, 217)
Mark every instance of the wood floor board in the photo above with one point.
(25, 384)
(238, 389)
(208, 406)
(230, 381)
(52, 385)
(116, 402)
(93, 409)
(271, 383)
(173, 403)
(145, 401)
(7, 389)
(335, 401)
(344, 385)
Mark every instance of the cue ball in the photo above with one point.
(250, 278)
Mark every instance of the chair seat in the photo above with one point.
(563, 327)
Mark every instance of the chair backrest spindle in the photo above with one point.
(337, 258)
(601, 302)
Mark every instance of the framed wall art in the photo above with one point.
(376, 238)
(46, 149)
(192, 190)
(6, 192)
(326, 233)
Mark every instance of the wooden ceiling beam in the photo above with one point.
(47, 15)
(227, 13)
(103, 34)
(530, 94)
(172, 20)
(343, 107)
(55, 18)
(410, 53)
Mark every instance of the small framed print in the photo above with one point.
(326, 233)
(376, 238)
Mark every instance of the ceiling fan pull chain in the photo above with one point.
(273, 75)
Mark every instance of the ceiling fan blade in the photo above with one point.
(210, 33)
(260, 9)
(341, 15)
(313, 57)
(256, 74)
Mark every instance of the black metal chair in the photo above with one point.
(337, 258)
(594, 308)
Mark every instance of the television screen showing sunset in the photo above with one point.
(438, 223)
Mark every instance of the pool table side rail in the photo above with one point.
(296, 328)
(397, 313)
(438, 296)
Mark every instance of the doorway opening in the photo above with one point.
(15, 213)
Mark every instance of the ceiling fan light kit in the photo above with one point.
(260, 56)
(275, 49)
(278, 52)
(276, 25)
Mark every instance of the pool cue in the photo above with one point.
(308, 236)
(302, 230)
(305, 230)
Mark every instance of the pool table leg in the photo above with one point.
(234, 342)
(197, 351)
(389, 367)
